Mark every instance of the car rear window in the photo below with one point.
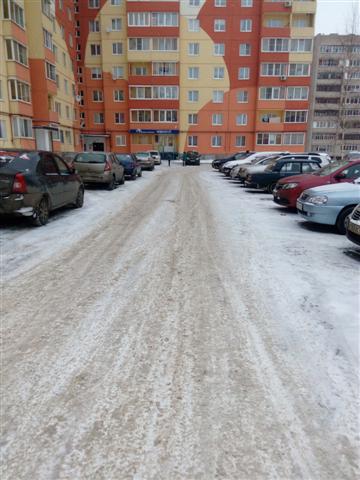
(123, 158)
(90, 158)
(20, 161)
(329, 169)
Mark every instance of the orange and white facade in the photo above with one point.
(217, 76)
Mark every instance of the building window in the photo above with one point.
(193, 95)
(193, 48)
(98, 117)
(220, 3)
(119, 96)
(117, 72)
(217, 119)
(2, 129)
(297, 93)
(48, 43)
(247, 3)
(244, 49)
(275, 23)
(301, 45)
(22, 127)
(139, 44)
(119, 117)
(216, 141)
(244, 73)
(67, 112)
(193, 73)
(50, 71)
(94, 26)
(116, 24)
(115, 3)
(117, 48)
(192, 118)
(242, 96)
(164, 69)
(13, 11)
(299, 69)
(219, 73)
(219, 25)
(241, 119)
(16, 51)
(94, 3)
(194, 3)
(218, 96)
(245, 25)
(163, 44)
(164, 19)
(193, 25)
(165, 116)
(19, 91)
(240, 141)
(95, 49)
(120, 140)
(296, 116)
(66, 86)
(219, 49)
(275, 45)
(192, 140)
(272, 93)
(268, 139)
(294, 139)
(98, 96)
(96, 73)
(273, 69)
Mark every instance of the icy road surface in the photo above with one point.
(179, 328)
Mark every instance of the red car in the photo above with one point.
(289, 189)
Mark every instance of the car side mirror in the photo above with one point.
(340, 176)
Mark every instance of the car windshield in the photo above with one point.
(124, 158)
(90, 158)
(142, 155)
(329, 169)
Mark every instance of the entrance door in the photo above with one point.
(167, 143)
(98, 147)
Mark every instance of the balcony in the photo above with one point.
(304, 6)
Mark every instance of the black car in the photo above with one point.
(131, 164)
(192, 157)
(236, 156)
(286, 166)
(34, 183)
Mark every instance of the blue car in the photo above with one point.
(329, 204)
(131, 164)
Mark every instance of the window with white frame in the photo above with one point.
(244, 73)
(241, 119)
(242, 96)
(194, 3)
(240, 141)
(164, 68)
(193, 95)
(117, 72)
(297, 93)
(96, 73)
(139, 19)
(193, 48)
(192, 118)
(220, 3)
(50, 71)
(219, 49)
(117, 48)
(141, 116)
(140, 93)
(275, 44)
(216, 141)
(193, 25)
(139, 70)
(275, 23)
(296, 116)
(94, 3)
(299, 69)
(98, 117)
(94, 26)
(19, 90)
(13, 11)
(293, 138)
(268, 139)
(272, 93)
(247, 3)
(119, 117)
(98, 96)
(273, 69)
(115, 3)
(217, 119)
(22, 127)
(164, 19)
(245, 25)
(165, 92)
(120, 140)
(116, 24)
(219, 25)
(119, 95)
(219, 73)
(244, 49)
(67, 111)
(165, 116)
(301, 45)
(142, 44)
(48, 41)
(95, 49)
(192, 140)
(66, 86)
(218, 96)
(16, 51)
(193, 73)
(2, 129)
(164, 44)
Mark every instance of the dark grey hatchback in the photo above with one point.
(34, 183)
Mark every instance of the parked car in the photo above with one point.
(34, 183)
(286, 166)
(156, 156)
(353, 155)
(228, 166)
(146, 160)
(329, 204)
(68, 157)
(352, 225)
(289, 189)
(99, 168)
(192, 158)
(131, 164)
(236, 156)
(240, 172)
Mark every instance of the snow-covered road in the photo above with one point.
(179, 328)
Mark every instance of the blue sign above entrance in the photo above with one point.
(157, 132)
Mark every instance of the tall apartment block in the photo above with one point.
(334, 124)
(38, 107)
(217, 76)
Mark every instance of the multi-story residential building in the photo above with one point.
(38, 107)
(334, 124)
(211, 75)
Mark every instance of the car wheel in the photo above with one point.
(271, 187)
(340, 221)
(111, 184)
(122, 181)
(151, 169)
(41, 213)
(79, 202)
(140, 173)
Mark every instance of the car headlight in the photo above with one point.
(317, 199)
(288, 186)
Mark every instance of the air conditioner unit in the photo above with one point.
(78, 98)
(288, 4)
(108, 29)
(283, 77)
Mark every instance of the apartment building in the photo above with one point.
(215, 76)
(334, 124)
(38, 107)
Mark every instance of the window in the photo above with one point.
(275, 45)
(50, 71)
(275, 23)
(194, 3)
(241, 119)
(244, 73)
(95, 49)
(117, 48)
(291, 167)
(273, 69)
(67, 111)
(119, 117)
(115, 3)
(247, 3)
(98, 117)
(164, 69)
(299, 69)
(219, 73)
(94, 26)
(193, 95)
(240, 141)
(19, 91)
(192, 118)
(296, 116)
(48, 43)
(64, 59)
(140, 93)
(48, 8)
(218, 96)
(120, 140)
(297, 93)
(244, 49)
(96, 73)
(219, 49)
(138, 19)
(66, 86)
(268, 139)
(58, 108)
(216, 141)
(13, 11)
(165, 44)
(22, 127)
(98, 96)
(193, 73)
(220, 3)
(219, 25)
(165, 92)
(301, 45)
(139, 44)
(272, 93)
(116, 24)
(94, 3)
(139, 70)
(245, 25)
(164, 19)
(193, 25)
(2, 129)
(192, 140)
(165, 116)
(193, 49)
(217, 119)
(16, 51)
(117, 72)
(301, 22)
(119, 96)
(242, 96)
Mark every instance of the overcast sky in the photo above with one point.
(332, 15)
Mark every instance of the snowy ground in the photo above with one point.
(179, 328)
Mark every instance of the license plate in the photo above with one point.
(299, 206)
(354, 228)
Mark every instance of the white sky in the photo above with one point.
(332, 15)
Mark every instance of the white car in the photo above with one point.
(227, 167)
(259, 162)
(156, 156)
